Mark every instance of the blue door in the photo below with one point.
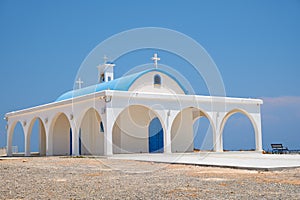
(70, 141)
(156, 137)
(79, 141)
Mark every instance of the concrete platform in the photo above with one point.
(242, 160)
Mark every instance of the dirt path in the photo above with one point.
(82, 178)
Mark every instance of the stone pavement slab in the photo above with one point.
(243, 160)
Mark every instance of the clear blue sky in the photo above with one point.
(255, 44)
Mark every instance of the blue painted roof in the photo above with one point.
(121, 84)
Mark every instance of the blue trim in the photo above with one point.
(101, 127)
(121, 84)
(79, 141)
(70, 141)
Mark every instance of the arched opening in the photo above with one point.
(37, 138)
(203, 134)
(131, 131)
(62, 136)
(91, 134)
(188, 132)
(18, 140)
(238, 132)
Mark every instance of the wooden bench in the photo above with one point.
(279, 149)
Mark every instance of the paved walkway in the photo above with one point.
(246, 160)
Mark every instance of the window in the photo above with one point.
(157, 80)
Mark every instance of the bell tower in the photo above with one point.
(106, 71)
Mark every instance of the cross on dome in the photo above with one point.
(155, 58)
(79, 82)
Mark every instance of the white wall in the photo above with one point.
(182, 133)
(61, 136)
(161, 103)
(130, 133)
(145, 84)
(91, 137)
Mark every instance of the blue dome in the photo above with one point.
(121, 84)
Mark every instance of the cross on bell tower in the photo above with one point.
(105, 58)
(155, 58)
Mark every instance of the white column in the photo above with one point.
(49, 141)
(170, 116)
(42, 142)
(108, 128)
(218, 142)
(75, 140)
(217, 118)
(27, 139)
(10, 130)
(258, 134)
(167, 141)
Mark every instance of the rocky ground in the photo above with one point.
(100, 178)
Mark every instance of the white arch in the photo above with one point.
(83, 113)
(50, 137)
(11, 132)
(42, 142)
(156, 114)
(176, 146)
(116, 126)
(245, 113)
(54, 118)
(91, 141)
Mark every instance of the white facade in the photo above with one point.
(113, 121)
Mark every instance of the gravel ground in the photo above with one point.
(100, 178)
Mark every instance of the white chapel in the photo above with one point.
(145, 112)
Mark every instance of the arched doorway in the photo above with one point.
(238, 131)
(203, 134)
(184, 130)
(62, 135)
(133, 131)
(17, 140)
(37, 138)
(91, 134)
(156, 137)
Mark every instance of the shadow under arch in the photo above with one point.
(42, 136)
(61, 135)
(91, 133)
(243, 112)
(131, 129)
(182, 132)
(14, 150)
